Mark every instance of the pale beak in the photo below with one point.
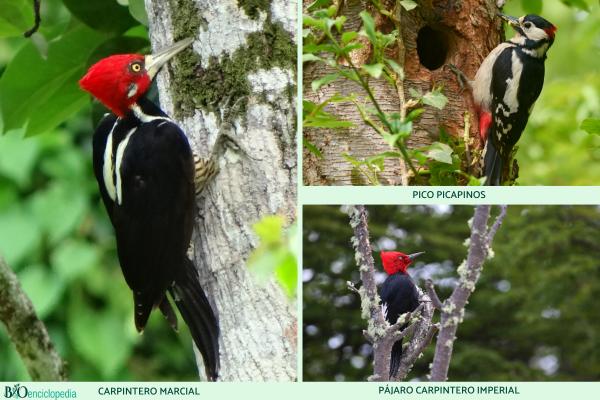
(154, 62)
(415, 255)
(512, 21)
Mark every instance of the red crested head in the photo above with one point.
(395, 261)
(117, 81)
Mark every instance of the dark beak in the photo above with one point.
(512, 21)
(415, 255)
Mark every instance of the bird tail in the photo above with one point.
(395, 358)
(493, 164)
(199, 317)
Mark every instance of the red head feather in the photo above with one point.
(117, 81)
(395, 261)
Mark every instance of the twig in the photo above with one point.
(492, 232)
(26, 331)
(453, 308)
(37, 21)
(437, 303)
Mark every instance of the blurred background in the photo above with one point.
(533, 316)
(553, 150)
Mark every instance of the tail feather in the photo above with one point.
(167, 310)
(493, 165)
(199, 317)
(395, 358)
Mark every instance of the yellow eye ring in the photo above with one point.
(136, 67)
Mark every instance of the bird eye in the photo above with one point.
(136, 67)
(527, 25)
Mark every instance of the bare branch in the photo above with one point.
(437, 303)
(453, 308)
(37, 21)
(492, 232)
(26, 331)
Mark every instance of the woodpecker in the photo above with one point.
(145, 170)
(398, 294)
(506, 87)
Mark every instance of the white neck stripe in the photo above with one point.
(119, 159)
(107, 167)
(145, 117)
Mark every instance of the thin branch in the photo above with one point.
(26, 331)
(492, 232)
(437, 303)
(453, 308)
(37, 21)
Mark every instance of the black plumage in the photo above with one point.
(146, 181)
(399, 295)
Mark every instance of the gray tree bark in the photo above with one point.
(240, 43)
(453, 308)
(26, 331)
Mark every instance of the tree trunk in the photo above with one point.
(446, 32)
(240, 78)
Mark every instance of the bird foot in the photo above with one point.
(462, 79)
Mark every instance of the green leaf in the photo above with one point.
(435, 99)
(40, 94)
(312, 148)
(319, 24)
(73, 258)
(101, 15)
(19, 236)
(408, 4)
(287, 274)
(316, 84)
(306, 57)
(58, 210)
(440, 152)
(269, 229)
(398, 70)
(532, 6)
(349, 36)
(414, 114)
(369, 26)
(591, 125)
(100, 337)
(138, 11)
(317, 4)
(373, 69)
(16, 17)
(17, 157)
(43, 288)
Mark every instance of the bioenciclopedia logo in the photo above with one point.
(19, 391)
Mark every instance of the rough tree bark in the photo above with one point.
(26, 331)
(379, 332)
(238, 78)
(453, 308)
(456, 32)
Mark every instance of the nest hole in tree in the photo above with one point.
(433, 46)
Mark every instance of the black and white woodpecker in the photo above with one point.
(506, 86)
(145, 170)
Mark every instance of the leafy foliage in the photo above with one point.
(533, 315)
(276, 255)
(53, 229)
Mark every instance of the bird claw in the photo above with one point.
(462, 79)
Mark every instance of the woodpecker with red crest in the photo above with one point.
(399, 295)
(506, 86)
(145, 170)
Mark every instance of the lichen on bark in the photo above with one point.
(206, 86)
